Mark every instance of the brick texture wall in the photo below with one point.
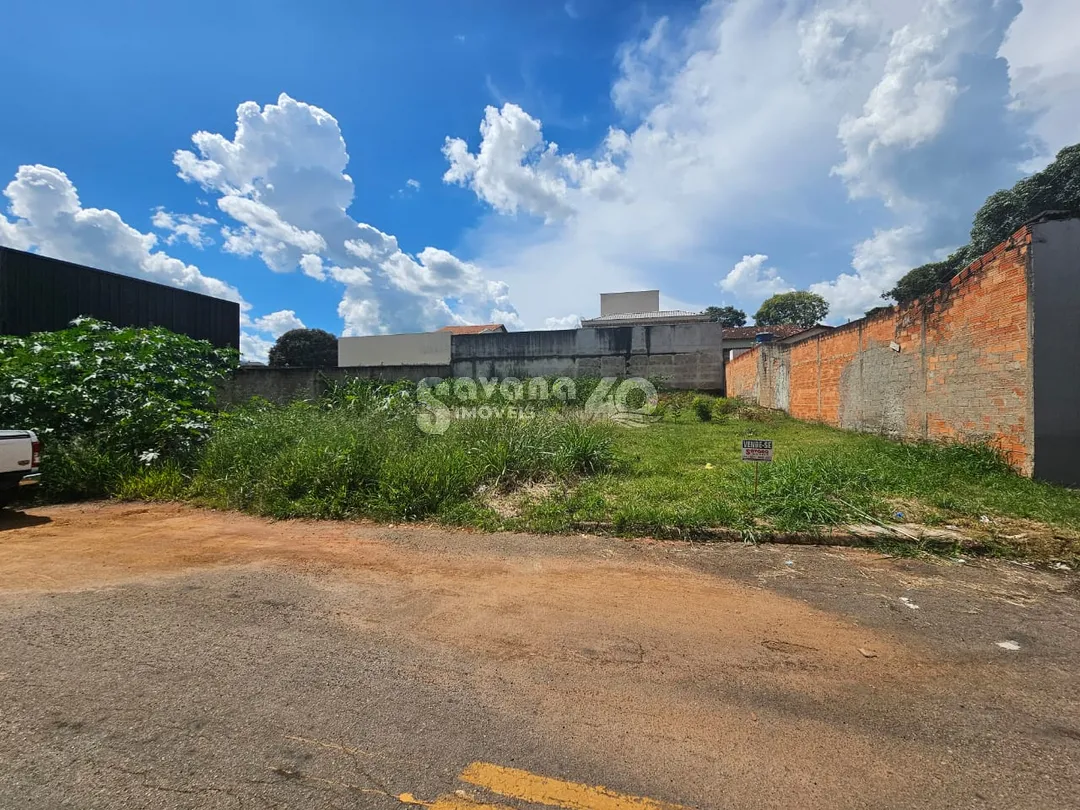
(741, 376)
(953, 365)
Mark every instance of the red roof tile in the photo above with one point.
(780, 331)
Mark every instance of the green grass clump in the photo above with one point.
(703, 408)
(305, 461)
(82, 469)
(685, 478)
(164, 482)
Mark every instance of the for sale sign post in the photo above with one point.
(757, 449)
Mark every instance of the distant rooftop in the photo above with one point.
(475, 329)
(631, 317)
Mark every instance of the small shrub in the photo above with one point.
(724, 406)
(703, 408)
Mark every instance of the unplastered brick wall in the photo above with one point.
(741, 376)
(953, 365)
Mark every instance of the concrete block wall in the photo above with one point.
(684, 355)
(626, 303)
(421, 348)
(956, 364)
(687, 356)
(284, 385)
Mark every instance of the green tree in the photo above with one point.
(305, 348)
(726, 316)
(1055, 188)
(799, 308)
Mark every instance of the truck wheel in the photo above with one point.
(6, 497)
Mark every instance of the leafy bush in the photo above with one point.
(702, 408)
(157, 482)
(723, 406)
(127, 391)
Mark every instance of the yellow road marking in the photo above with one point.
(529, 787)
(458, 803)
(450, 803)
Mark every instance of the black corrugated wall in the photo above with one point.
(39, 294)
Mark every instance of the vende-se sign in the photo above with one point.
(757, 449)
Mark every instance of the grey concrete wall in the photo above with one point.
(770, 381)
(688, 356)
(283, 385)
(626, 303)
(279, 385)
(1055, 307)
(774, 377)
(685, 355)
(421, 348)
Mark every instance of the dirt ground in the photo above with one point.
(162, 656)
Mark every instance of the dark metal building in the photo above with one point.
(39, 294)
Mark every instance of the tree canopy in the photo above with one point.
(800, 308)
(726, 316)
(304, 348)
(1055, 188)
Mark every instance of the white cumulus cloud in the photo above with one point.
(278, 323)
(757, 124)
(254, 348)
(911, 101)
(563, 322)
(49, 218)
(878, 263)
(751, 281)
(282, 177)
(1044, 73)
(516, 169)
(183, 227)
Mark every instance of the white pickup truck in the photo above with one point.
(20, 458)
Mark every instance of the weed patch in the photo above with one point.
(306, 461)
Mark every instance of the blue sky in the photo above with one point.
(719, 151)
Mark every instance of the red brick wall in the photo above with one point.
(740, 376)
(962, 370)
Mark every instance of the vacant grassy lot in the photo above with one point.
(684, 478)
(362, 454)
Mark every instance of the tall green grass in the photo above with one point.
(306, 461)
(683, 477)
(82, 468)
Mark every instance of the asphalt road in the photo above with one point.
(170, 658)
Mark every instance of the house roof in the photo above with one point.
(780, 331)
(474, 329)
(645, 316)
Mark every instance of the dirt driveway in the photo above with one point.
(167, 657)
